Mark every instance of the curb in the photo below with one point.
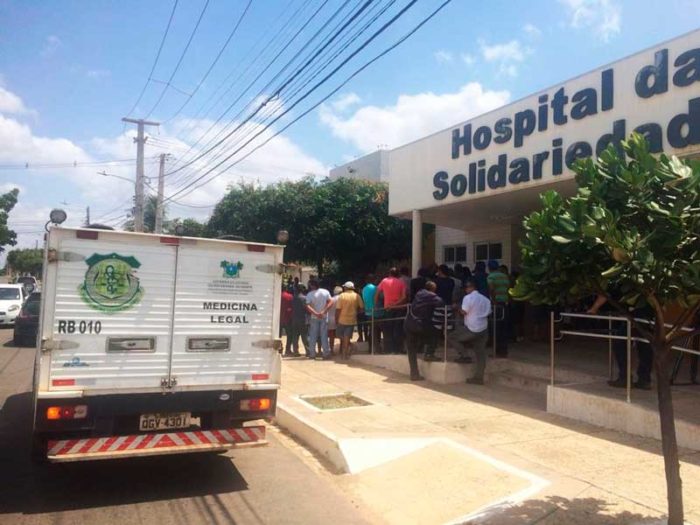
(312, 436)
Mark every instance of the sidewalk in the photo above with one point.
(423, 453)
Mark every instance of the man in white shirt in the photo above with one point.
(474, 332)
(318, 302)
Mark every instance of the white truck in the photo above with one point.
(154, 344)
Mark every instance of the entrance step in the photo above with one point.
(519, 381)
(606, 407)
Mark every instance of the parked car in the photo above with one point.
(29, 282)
(12, 298)
(27, 322)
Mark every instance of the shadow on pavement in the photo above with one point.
(578, 511)
(32, 489)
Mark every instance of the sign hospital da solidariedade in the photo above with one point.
(681, 131)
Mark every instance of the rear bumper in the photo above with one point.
(137, 445)
(118, 414)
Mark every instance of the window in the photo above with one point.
(9, 294)
(455, 254)
(485, 251)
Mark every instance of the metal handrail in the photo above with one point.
(629, 338)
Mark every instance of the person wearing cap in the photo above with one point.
(348, 305)
(499, 283)
(332, 325)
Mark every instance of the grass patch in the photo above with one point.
(336, 401)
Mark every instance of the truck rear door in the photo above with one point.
(110, 325)
(226, 314)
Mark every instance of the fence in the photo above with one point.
(498, 315)
(629, 338)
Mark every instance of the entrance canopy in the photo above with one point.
(493, 167)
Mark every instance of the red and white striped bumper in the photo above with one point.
(152, 444)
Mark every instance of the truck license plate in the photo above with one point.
(164, 421)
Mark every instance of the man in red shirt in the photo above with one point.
(286, 319)
(394, 291)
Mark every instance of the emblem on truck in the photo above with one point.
(232, 270)
(110, 285)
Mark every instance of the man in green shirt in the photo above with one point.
(499, 283)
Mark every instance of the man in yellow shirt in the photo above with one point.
(346, 310)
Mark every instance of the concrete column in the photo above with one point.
(416, 243)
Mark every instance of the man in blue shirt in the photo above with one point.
(368, 293)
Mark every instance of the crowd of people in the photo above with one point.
(467, 310)
(402, 314)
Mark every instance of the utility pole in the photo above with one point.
(138, 194)
(159, 201)
(87, 216)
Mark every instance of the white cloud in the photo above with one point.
(507, 55)
(468, 59)
(11, 104)
(412, 117)
(51, 45)
(345, 101)
(97, 74)
(280, 159)
(511, 51)
(603, 17)
(443, 57)
(532, 31)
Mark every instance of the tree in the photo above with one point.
(190, 227)
(26, 261)
(343, 220)
(633, 226)
(7, 236)
(149, 216)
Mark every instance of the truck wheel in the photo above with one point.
(38, 452)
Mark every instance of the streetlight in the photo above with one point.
(57, 217)
(282, 237)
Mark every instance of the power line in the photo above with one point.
(278, 34)
(305, 81)
(240, 96)
(155, 62)
(74, 164)
(182, 56)
(304, 96)
(338, 88)
(286, 82)
(211, 67)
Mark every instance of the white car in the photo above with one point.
(12, 298)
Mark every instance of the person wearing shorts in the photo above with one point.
(349, 304)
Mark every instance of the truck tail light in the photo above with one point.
(67, 412)
(255, 405)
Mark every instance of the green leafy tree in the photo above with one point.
(633, 227)
(26, 261)
(342, 221)
(190, 227)
(149, 216)
(7, 236)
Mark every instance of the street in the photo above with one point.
(272, 484)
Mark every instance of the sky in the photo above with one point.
(70, 70)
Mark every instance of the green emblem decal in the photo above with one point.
(110, 285)
(232, 270)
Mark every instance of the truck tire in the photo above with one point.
(38, 451)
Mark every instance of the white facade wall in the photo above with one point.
(374, 167)
(452, 237)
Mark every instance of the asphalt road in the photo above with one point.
(273, 484)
